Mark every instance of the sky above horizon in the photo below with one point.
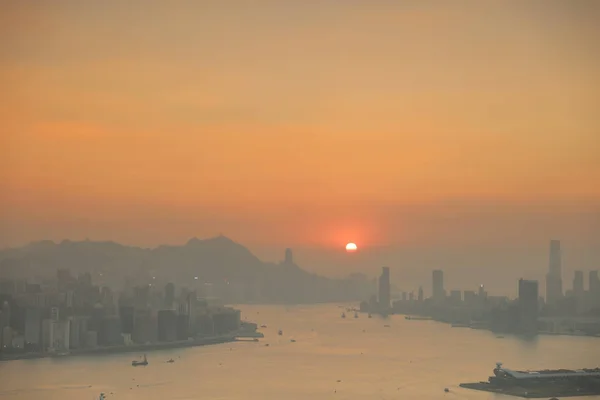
(414, 124)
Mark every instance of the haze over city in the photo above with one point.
(461, 137)
(292, 199)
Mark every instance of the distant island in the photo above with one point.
(216, 268)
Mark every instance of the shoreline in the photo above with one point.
(413, 317)
(123, 349)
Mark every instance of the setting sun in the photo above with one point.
(351, 247)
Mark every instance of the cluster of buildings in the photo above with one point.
(70, 313)
(574, 311)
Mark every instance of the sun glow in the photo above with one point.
(351, 247)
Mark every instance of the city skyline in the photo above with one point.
(299, 199)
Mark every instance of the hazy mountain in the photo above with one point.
(217, 266)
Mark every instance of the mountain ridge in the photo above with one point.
(231, 269)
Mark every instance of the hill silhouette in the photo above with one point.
(216, 267)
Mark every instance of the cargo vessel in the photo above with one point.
(541, 383)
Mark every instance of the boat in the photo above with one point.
(355, 314)
(170, 361)
(293, 340)
(136, 363)
(370, 316)
(343, 315)
(102, 396)
(263, 326)
(280, 332)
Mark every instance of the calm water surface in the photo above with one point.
(408, 360)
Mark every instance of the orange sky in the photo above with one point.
(300, 123)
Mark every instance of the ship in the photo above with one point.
(544, 383)
(505, 375)
(136, 363)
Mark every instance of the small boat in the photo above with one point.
(263, 326)
(343, 315)
(170, 361)
(355, 314)
(446, 390)
(136, 363)
(370, 316)
(102, 396)
(386, 326)
(280, 332)
(293, 340)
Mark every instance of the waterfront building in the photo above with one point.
(167, 326)
(528, 305)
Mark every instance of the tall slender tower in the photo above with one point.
(384, 289)
(554, 290)
(438, 292)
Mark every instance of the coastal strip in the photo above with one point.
(124, 349)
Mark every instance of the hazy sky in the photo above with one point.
(414, 124)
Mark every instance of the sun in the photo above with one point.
(351, 247)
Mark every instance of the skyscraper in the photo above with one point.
(594, 289)
(578, 284)
(384, 289)
(439, 293)
(553, 278)
(528, 305)
(594, 282)
(169, 295)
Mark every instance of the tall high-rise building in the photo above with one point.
(169, 295)
(54, 314)
(594, 289)
(33, 327)
(420, 295)
(554, 290)
(528, 305)
(384, 289)
(594, 283)
(578, 284)
(439, 294)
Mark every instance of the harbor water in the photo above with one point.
(319, 355)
